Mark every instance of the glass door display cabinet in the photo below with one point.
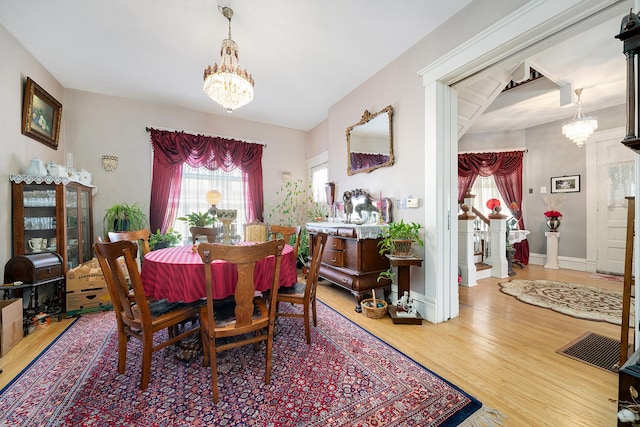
(52, 215)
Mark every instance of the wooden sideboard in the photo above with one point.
(351, 258)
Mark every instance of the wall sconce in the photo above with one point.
(109, 163)
(286, 176)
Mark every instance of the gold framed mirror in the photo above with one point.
(370, 142)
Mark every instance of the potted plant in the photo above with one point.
(397, 238)
(197, 219)
(164, 240)
(124, 217)
(295, 206)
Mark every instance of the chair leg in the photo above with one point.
(267, 374)
(214, 371)
(172, 331)
(204, 338)
(313, 308)
(256, 345)
(307, 327)
(147, 349)
(123, 339)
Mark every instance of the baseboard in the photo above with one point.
(483, 274)
(568, 263)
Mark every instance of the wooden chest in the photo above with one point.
(351, 262)
(36, 268)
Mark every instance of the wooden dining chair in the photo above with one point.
(209, 232)
(255, 231)
(140, 237)
(251, 314)
(286, 233)
(140, 318)
(305, 293)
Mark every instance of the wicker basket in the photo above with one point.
(374, 312)
(401, 248)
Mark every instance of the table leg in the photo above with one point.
(403, 279)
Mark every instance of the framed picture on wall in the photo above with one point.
(565, 184)
(41, 115)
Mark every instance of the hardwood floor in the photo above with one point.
(503, 352)
(500, 350)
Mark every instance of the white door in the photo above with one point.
(615, 172)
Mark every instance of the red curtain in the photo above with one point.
(506, 168)
(171, 149)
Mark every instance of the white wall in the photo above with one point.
(98, 124)
(16, 65)
(550, 154)
(399, 85)
(93, 125)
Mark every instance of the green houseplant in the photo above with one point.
(397, 237)
(198, 219)
(396, 240)
(124, 217)
(164, 240)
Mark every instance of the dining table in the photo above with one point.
(177, 274)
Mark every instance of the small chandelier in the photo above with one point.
(227, 84)
(581, 127)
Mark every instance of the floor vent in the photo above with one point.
(596, 350)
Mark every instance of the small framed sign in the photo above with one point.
(41, 115)
(565, 184)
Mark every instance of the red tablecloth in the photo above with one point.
(177, 274)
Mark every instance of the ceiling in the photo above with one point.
(590, 59)
(304, 55)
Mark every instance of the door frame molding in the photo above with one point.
(531, 26)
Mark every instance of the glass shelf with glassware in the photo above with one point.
(52, 216)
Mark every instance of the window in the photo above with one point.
(319, 177)
(195, 184)
(484, 189)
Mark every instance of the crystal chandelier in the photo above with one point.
(581, 127)
(228, 84)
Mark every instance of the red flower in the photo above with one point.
(550, 214)
(492, 203)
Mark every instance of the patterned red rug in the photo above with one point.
(347, 377)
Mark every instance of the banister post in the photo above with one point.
(466, 255)
(498, 232)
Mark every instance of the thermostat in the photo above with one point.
(412, 203)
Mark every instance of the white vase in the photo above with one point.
(36, 168)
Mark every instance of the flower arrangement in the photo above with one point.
(553, 213)
(553, 201)
(492, 204)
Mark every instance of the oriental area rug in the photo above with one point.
(346, 377)
(582, 301)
